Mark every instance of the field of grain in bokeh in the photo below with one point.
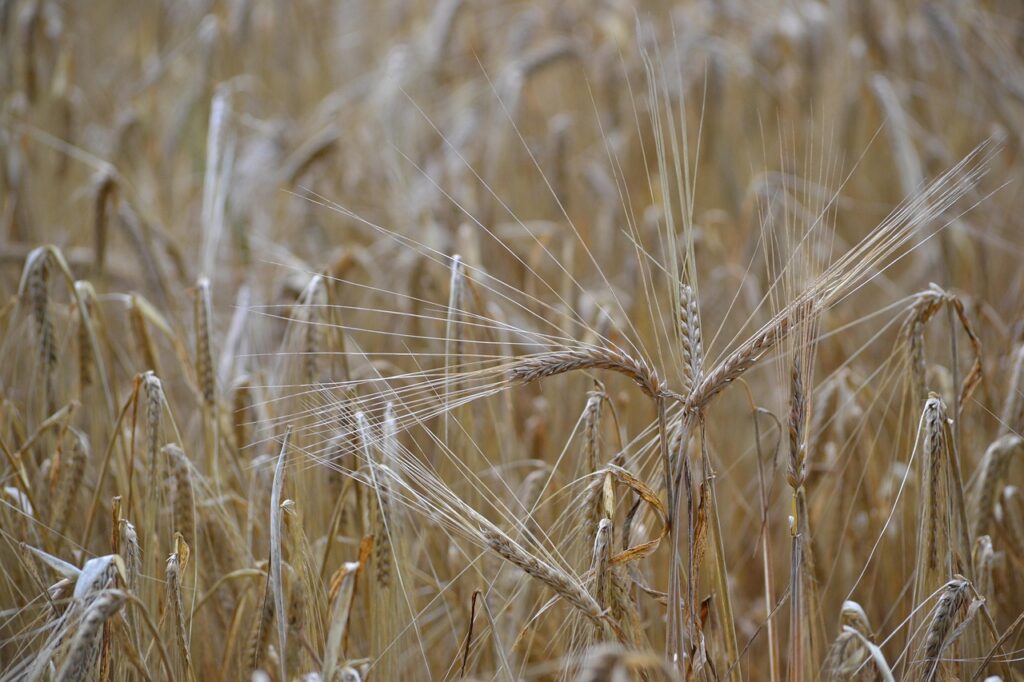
(511, 340)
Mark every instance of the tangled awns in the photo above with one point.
(511, 340)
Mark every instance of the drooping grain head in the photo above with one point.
(557, 579)
(559, 362)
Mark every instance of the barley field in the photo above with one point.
(594, 340)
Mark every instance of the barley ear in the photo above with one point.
(84, 649)
(689, 338)
(940, 635)
(177, 614)
(993, 467)
(184, 496)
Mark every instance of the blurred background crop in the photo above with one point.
(250, 211)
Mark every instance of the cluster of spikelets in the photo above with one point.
(666, 415)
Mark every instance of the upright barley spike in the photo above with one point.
(177, 614)
(797, 470)
(951, 603)
(207, 379)
(154, 394)
(601, 562)
(130, 552)
(804, 607)
(71, 478)
(36, 290)
(934, 463)
(85, 360)
(104, 189)
(592, 430)
(204, 352)
(944, 546)
(592, 508)
(143, 338)
(689, 337)
(184, 497)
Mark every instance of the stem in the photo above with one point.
(722, 577)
